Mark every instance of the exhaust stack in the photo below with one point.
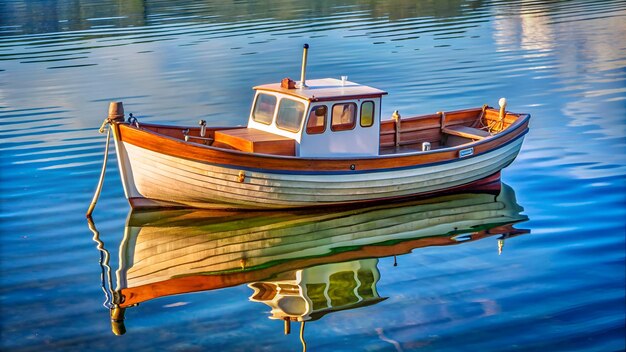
(303, 72)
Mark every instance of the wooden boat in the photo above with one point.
(313, 143)
(171, 252)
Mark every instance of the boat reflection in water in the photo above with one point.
(302, 264)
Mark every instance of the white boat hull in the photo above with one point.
(156, 179)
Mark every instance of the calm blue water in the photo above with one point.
(559, 288)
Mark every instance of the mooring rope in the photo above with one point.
(104, 167)
(302, 337)
(105, 275)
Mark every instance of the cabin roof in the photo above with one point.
(326, 89)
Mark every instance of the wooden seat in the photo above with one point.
(466, 132)
(255, 141)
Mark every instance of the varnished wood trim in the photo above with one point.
(298, 94)
(256, 141)
(466, 132)
(349, 97)
(171, 146)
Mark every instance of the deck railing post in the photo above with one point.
(398, 126)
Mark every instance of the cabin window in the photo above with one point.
(264, 108)
(317, 120)
(341, 288)
(367, 113)
(343, 117)
(290, 114)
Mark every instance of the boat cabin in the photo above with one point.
(327, 117)
(338, 118)
(310, 293)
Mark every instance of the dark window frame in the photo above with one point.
(361, 114)
(343, 126)
(316, 131)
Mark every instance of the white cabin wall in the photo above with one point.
(360, 141)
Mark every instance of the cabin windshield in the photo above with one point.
(290, 115)
(289, 112)
(264, 107)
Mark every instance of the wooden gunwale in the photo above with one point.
(230, 175)
(175, 147)
(347, 97)
(251, 167)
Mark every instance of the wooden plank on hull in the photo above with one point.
(268, 178)
(169, 173)
(202, 191)
(256, 202)
(176, 147)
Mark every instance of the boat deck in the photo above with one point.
(403, 149)
(406, 136)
